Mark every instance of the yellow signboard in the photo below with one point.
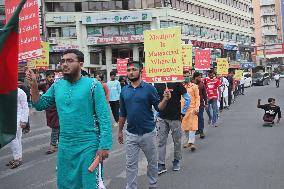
(163, 56)
(222, 66)
(43, 61)
(238, 74)
(186, 56)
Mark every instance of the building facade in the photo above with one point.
(2, 14)
(269, 32)
(109, 30)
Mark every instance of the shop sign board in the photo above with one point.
(117, 17)
(109, 40)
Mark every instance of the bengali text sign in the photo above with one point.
(163, 57)
(121, 66)
(202, 59)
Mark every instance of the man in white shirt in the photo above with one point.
(242, 85)
(22, 119)
(277, 79)
(225, 92)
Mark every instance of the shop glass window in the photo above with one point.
(191, 30)
(54, 32)
(185, 29)
(111, 31)
(69, 32)
(139, 29)
(146, 27)
(94, 31)
(197, 31)
(164, 24)
(127, 30)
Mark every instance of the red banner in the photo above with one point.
(106, 40)
(121, 66)
(29, 31)
(202, 59)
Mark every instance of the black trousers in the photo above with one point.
(242, 88)
(114, 105)
(277, 83)
(230, 96)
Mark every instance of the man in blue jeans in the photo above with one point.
(136, 101)
(197, 78)
(212, 86)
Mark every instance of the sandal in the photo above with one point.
(51, 150)
(10, 163)
(16, 164)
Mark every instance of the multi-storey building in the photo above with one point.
(2, 14)
(268, 32)
(108, 30)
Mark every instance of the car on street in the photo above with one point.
(261, 78)
(281, 75)
(248, 79)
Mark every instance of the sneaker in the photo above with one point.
(197, 132)
(161, 169)
(16, 164)
(209, 122)
(176, 165)
(202, 135)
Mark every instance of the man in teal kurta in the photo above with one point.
(81, 103)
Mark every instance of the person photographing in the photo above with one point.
(271, 111)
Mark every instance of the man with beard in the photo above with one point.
(80, 103)
(136, 101)
(51, 114)
(197, 77)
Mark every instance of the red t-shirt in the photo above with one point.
(212, 87)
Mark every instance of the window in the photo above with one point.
(139, 29)
(111, 31)
(95, 58)
(95, 31)
(134, 4)
(127, 30)
(69, 32)
(95, 6)
(54, 32)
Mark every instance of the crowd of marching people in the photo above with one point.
(78, 111)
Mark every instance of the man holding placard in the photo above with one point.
(136, 101)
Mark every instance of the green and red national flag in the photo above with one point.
(9, 50)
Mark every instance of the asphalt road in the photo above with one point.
(239, 154)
